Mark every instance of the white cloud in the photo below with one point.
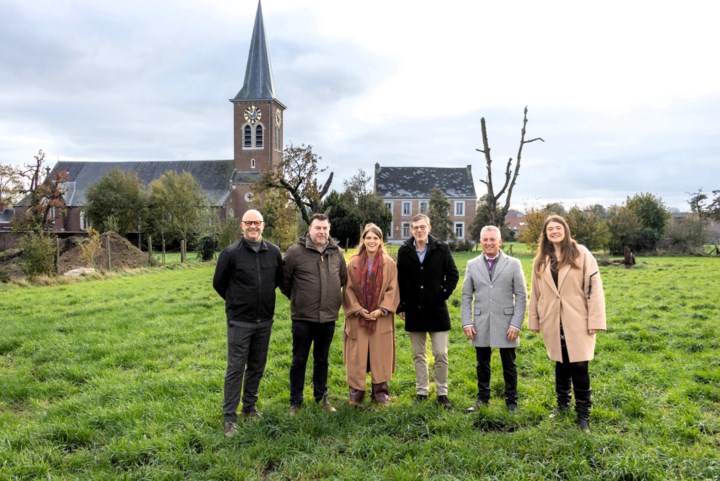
(624, 93)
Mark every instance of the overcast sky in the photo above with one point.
(626, 94)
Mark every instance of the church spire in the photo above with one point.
(259, 84)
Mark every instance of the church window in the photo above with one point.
(259, 134)
(247, 137)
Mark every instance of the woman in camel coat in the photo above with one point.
(370, 299)
(567, 306)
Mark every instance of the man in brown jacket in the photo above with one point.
(315, 273)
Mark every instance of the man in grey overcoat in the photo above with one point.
(494, 297)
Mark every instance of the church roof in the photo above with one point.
(418, 182)
(212, 175)
(259, 84)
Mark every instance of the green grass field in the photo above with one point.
(121, 378)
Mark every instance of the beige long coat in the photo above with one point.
(578, 300)
(358, 344)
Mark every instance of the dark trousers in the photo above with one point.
(575, 372)
(306, 334)
(507, 356)
(247, 353)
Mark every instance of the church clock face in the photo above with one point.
(252, 114)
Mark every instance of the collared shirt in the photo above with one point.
(490, 263)
(421, 252)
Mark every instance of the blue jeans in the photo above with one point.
(304, 335)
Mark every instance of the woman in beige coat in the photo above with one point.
(567, 306)
(370, 299)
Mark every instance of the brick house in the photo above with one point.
(406, 192)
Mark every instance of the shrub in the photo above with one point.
(230, 232)
(207, 245)
(38, 257)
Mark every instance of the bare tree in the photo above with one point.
(297, 176)
(43, 194)
(496, 215)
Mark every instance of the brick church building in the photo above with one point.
(258, 145)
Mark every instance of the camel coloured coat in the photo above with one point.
(358, 344)
(578, 301)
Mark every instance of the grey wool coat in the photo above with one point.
(492, 306)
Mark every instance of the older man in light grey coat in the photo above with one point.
(494, 297)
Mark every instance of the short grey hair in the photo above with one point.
(492, 228)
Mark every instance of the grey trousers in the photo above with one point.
(247, 353)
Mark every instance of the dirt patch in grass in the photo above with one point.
(123, 255)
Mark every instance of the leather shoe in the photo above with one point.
(294, 409)
(512, 408)
(326, 406)
(476, 407)
(444, 402)
(250, 414)
(230, 429)
(421, 398)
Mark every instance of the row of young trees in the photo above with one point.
(171, 208)
(642, 223)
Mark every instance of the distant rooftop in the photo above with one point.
(418, 182)
(213, 176)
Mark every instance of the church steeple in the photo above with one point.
(259, 84)
(258, 118)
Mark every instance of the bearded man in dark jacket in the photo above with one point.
(427, 276)
(246, 276)
(315, 272)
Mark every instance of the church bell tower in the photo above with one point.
(258, 121)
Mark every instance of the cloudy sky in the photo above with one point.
(625, 94)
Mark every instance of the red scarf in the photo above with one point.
(369, 280)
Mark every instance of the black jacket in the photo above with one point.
(247, 280)
(425, 288)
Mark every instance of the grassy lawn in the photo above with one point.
(121, 378)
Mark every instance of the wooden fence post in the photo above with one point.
(107, 252)
(57, 255)
(149, 250)
(182, 251)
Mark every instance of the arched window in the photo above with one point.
(277, 138)
(247, 136)
(259, 136)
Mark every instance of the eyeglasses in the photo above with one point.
(419, 227)
(252, 223)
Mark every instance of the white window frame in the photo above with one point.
(460, 208)
(424, 206)
(405, 230)
(406, 208)
(459, 226)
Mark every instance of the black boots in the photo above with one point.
(583, 405)
(563, 394)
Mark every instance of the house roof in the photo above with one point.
(418, 182)
(259, 83)
(213, 176)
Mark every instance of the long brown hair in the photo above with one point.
(370, 227)
(546, 249)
